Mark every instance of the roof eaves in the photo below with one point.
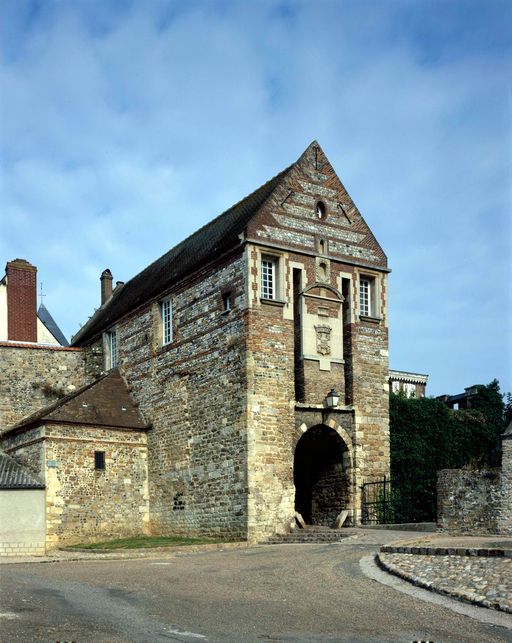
(188, 254)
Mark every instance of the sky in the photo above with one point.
(126, 125)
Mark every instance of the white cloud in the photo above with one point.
(127, 126)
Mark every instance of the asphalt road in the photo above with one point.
(271, 593)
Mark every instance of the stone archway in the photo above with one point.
(321, 474)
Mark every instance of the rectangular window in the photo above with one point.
(112, 348)
(410, 389)
(365, 297)
(166, 311)
(269, 278)
(227, 301)
(99, 460)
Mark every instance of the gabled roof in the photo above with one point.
(51, 325)
(105, 402)
(210, 241)
(14, 476)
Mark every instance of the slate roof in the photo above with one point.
(508, 431)
(210, 241)
(14, 476)
(51, 325)
(105, 402)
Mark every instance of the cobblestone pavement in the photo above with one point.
(481, 580)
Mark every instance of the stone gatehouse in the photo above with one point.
(229, 346)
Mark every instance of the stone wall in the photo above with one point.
(221, 397)
(504, 518)
(193, 392)
(270, 378)
(84, 504)
(468, 502)
(31, 377)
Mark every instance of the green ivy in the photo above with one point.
(427, 436)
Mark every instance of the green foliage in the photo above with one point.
(427, 436)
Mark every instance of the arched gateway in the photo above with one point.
(322, 475)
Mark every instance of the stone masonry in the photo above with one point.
(32, 376)
(477, 502)
(83, 503)
(268, 307)
(224, 397)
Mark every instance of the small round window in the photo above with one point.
(320, 210)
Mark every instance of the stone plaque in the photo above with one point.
(323, 339)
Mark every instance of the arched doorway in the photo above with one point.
(320, 475)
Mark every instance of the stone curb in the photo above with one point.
(447, 551)
(414, 580)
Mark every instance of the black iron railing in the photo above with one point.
(398, 500)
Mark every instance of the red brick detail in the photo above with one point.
(21, 301)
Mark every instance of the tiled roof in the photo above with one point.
(105, 402)
(51, 325)
(210, 241)
(14, 476)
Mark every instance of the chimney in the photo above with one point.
(21, 301)
(106, 286)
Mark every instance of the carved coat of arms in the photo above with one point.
(323, 339)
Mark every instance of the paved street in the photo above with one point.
(272, 593)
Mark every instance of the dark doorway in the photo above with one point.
(320, 475)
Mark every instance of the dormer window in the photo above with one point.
(320, 210)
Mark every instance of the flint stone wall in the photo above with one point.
(193, 393)
(469, 502)
(32, 377)
(84, 504)
(505, 515)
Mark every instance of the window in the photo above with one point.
(112, 348)
(320, 210)
(365, 293)
(395, 386)
(369, 296)
(268, 278)
(227, 301)
(410, 389)
(99, 460)
(166, 311)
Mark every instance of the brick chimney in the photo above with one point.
(106, 286)
(21, 301)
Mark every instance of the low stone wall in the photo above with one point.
(505, 514)
(469, 502)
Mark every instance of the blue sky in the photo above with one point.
(125, 126)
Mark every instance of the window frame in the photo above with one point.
(112, 349)
(269, 285)
(227, 301)
(368, 296)
(167, 321)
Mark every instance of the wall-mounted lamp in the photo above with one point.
(332, 399)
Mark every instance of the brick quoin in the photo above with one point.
(21, 301)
